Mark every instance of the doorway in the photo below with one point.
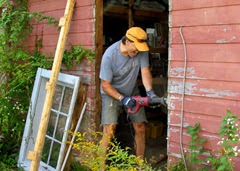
(152, 16)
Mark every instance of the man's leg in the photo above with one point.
(140, 129)
(108, 133)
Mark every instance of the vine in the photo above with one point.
(18, 70)
(75, 54)
(220, 158)
(17, 73)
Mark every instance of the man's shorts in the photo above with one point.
(111, 109)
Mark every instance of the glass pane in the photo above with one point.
(46, 149)
(60, 127)
(55, 154)
(57, 97)
(67, 100)
(51, 123)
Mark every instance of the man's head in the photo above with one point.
(136, 40)
(139, 37)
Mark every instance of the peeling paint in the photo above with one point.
(217, 93)
(179, 71)
(170, 5)
(176, 155)
(172, 103)
(221, 41)
(233, 38)
(169, 54)
(227, 29)
(172, 97)
(174, 130)
(177, 87)
(170, 35)
(180, 156)
(177, 130)
(171, 106)
(195, 77)
(179, 125)
(190, 88)
(188, 99)
(226, 41)
(212, 137)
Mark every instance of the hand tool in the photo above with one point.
(146, 101)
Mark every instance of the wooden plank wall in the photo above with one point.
(211, 29)
(82, 32)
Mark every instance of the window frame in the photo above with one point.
(65, 80)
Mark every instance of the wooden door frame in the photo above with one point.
(99, 52)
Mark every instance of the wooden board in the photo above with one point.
(220, 34)
(206, 88)
(224, 53)
(190, 4)
(206, 16)
(206, 71)
(51, 5)
(205, 106)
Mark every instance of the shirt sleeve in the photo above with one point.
(144, 59)
(106, 69)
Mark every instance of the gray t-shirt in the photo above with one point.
(120, 70)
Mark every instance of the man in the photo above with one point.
(120, 67)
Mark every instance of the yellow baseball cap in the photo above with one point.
(139, 37)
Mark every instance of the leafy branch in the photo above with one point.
(75, 54)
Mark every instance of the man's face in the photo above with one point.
(131, 49)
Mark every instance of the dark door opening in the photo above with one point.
(152, 16)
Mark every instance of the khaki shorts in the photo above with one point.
(111, 109)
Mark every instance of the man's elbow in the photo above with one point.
(105, 86)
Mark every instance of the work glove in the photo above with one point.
(151, 94)
(152, 97)
(129, 102)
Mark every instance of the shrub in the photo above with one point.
(117, 159)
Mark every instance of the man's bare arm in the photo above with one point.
(111, 91)
(147, 78)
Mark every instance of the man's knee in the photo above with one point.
(109, 129)
(140, 128)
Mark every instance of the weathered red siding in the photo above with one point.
(82, 32)
(211, 29)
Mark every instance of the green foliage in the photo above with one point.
(120, 159)
(117, 159)
(15, 24)
(195, 146)
(178, 166)
(17, 73)
(78, 167)
(221, 159)
(229, 131)
(75, 54)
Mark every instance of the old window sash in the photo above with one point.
(59, 121)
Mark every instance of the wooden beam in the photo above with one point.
(99, 53)
(130, 15)
(110, 10)
(51, 85)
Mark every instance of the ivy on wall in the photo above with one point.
(17, 73)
